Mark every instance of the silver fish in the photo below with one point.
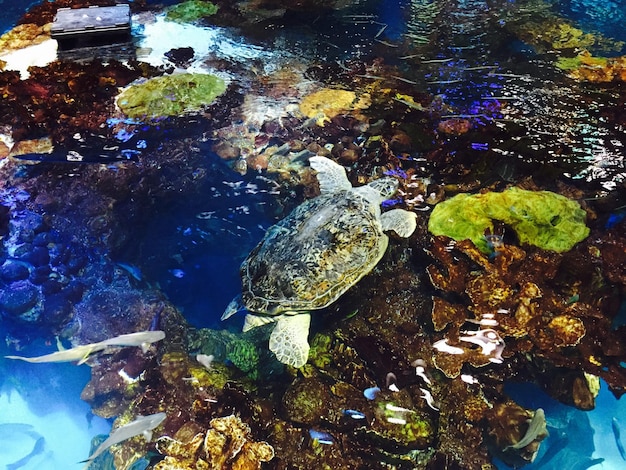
(38, 448)
(142, 425)
(536, 428)
(81, 353)
(617, 434)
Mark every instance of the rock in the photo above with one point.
(18, 298)
(38, 256)
(13, 270)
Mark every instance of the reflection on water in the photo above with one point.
(464, 52)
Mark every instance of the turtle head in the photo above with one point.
(383, 188)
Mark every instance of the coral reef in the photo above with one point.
(39, 277)
(540, 316)
(170, 95)
(244, 355)
(539, 218)
(64, 98)
(409, 368)
(24, 35)
(537, 24)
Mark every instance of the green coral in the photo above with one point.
(191, 10)
(170, 95)
(244, 355)
(400, 428)
(216, 376)
(320, 353)
(541, 218)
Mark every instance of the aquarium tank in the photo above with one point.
(313, 234)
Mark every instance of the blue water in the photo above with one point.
(44, 402)
(11, 12)
(583, 435)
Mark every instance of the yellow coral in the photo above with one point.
(328, 103)
(566, 36)
(567, 331)
(24, 35)
(586, 67)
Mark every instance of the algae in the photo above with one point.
(540, 218)
(190, 11)
(171, 95)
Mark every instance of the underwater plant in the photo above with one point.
(540, 218)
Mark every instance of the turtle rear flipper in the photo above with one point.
(400, 221)
(289, 339)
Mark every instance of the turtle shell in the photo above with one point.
(315, 254)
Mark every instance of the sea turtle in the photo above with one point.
(315, 254)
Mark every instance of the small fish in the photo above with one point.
(398, 409)
(420, 370)
(443, 346)
(37, 449)
(469, 379)
(371, 393)
(430, 401)
(142, 425)
(321, 436)
(354, 414)
(206, 361)
(390, 381)
(82, 353)
(177, 273)
(614, 219)
(156, 319)
(134, 271)
(617, 434)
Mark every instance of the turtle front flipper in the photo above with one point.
(400, 221)
(235, 305)
(289, 339)
(330, 175)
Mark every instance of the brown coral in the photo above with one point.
(226, 445)
(526, 298)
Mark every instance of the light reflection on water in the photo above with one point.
(461, 51)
